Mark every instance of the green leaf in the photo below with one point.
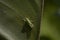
(50, 27)
(18, 10)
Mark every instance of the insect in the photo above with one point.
(27, 27)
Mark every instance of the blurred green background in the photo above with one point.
(50, 27)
